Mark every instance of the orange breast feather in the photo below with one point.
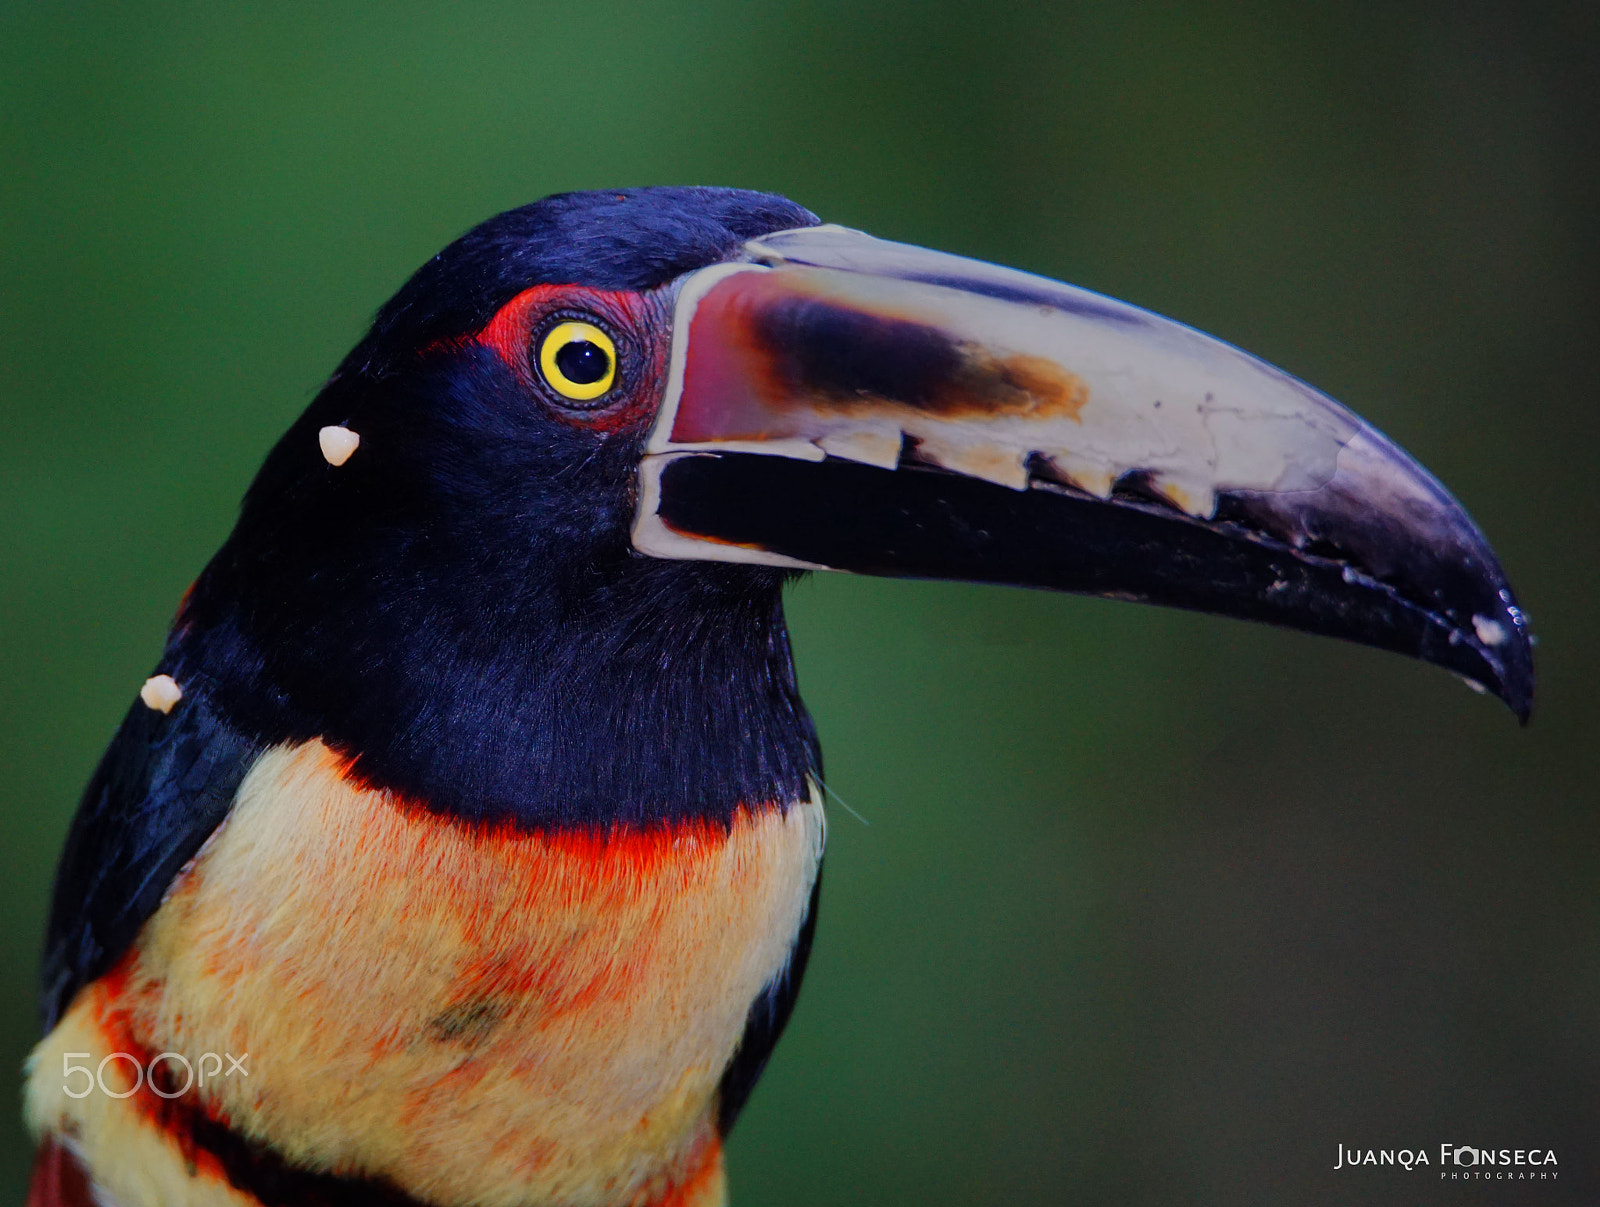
(476, 1016)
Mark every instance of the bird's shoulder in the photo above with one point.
(165, 783)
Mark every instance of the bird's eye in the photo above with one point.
(578, 360)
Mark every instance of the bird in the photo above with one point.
(464, 845)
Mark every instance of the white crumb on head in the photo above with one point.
(338, 443)
(160, 692)
(1490, 632)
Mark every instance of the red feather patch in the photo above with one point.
(58, 1179)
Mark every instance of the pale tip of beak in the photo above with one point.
(160, 692)
(337, 443)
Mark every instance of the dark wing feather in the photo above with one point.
(164, 785)
(764, 1025)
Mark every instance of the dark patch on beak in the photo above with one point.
(845, 355)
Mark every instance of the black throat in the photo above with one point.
(483, 640)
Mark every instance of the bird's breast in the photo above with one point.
(468, 1014)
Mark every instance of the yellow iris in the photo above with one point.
(578, 360)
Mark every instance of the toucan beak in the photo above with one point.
(839, 402)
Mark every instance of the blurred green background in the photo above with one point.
(1151, 908)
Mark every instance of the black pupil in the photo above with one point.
(581, 362)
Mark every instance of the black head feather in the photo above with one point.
(458, 608)
(622, 239)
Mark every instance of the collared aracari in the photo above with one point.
(472, 806)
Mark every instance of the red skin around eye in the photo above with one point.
(633, 316)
